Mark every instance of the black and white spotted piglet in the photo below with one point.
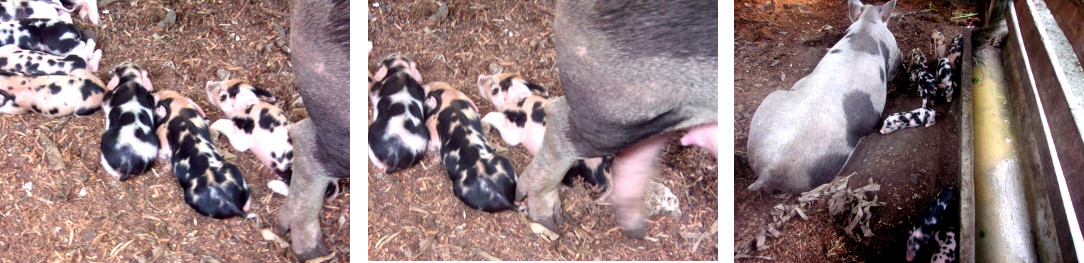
(523, 121)
(397, 136)
(29, 62)
(946, 241)
(234, 95)
(927, 88)
(129, 144)
(53, 95)
(956, 50)
(212, 186)
(921, 79)
(916, 61)
(11, 10)
(505, 89)
(901, 120)
(920, 235)
(481, 178)
(48, 35)
(255, 125)
(945, 83)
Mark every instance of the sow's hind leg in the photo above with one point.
(539, 183)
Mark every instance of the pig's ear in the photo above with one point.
(855, 10)
(414, 72)
(160, 112)
(379, 75)
(200, 110)
(263, 94)
(113, 83)
(244, 99)
(518, 91)
(147, 81)
(886, 10)
(431, 102)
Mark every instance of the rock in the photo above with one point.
(441, 14)
(52, 152)
(659, 200)
(169, 19)
(495, 68)
(424, 9)
(223, 74)
(153, 15)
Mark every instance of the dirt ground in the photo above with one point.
(413, 214)
(775, 46)
(81, 214)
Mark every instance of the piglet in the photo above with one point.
(29, 62)
(503, 90)
(946, 241)
(927, 87)
(900, 120)
(481, 178)
(521, 120)
(920, 235)
(397, 136)
(48, 35)
(254, 124)
(945, 83)
(938, 44)
(212, 186)
(53, 95)
(956, 50)
(916, 63)
(11, 10)
(234, 95)
(129, 145)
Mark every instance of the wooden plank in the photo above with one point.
(1063, 129)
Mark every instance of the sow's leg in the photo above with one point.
(633, 169)
(548, 167)
(301, 212)
(320, 47)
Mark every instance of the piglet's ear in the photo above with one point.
(160, 112)
(431, 102)
(379, 74)
(113, 83)
(200, 110)
(147, 81)
(244, 99)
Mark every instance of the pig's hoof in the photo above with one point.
(319, 251)
(637, 232)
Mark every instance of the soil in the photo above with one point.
(413, 214)
(775, 46)
(80, 213)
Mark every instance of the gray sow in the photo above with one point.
(801, 138)
(633, 72)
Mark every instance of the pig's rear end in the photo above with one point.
(665, 75)
(788, 160)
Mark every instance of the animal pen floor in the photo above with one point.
(775, 46)
(79, 213)
(413, 214)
